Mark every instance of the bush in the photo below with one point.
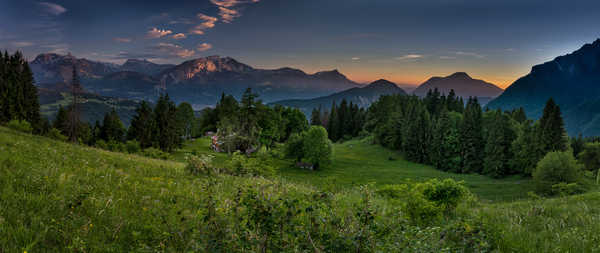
(20, 125)
(155, 153)
(553, 169)
(240, 164)
(101, 144)
(116, 146)
(133, 147)
(590, 156)
(200, 165)
(427, 202)
(55, 134)
(392, 191)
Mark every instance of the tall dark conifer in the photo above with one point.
(471, 136)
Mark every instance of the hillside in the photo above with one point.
(94, 200)
(571, 80)
(361, 96)
(463, 85)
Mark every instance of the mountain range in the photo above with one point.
(361, 96)
(572, 80)
(463, 85)
(200, 81)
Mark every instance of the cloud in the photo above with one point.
(226, 11)
(173, 50)
(471, 54)
(122, 40)
(355, 58)
(228, 15)
(53, 8)
(61, 48)
(208, 22)
(157, 33)
(22, 44)
(178, 36)
(409, 57)
(444, 57)
(203, 47)
(232, 3)
(128, 55)
(181, 21)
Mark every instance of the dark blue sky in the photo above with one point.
(404, 41)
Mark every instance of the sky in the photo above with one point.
(406, 42)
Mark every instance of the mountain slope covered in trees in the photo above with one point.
(463, 85)
(572, 80)
(361, 96)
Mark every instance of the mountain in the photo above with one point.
(362, 96)
(463, 85)
(200, 81)
(144, 67)
(572, 80)
(52, 68)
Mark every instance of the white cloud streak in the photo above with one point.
(52, 8)
(203, 47)
(155, 33)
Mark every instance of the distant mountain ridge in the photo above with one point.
(462, 84)
(361, 96)
(572, 80)
(199, 81)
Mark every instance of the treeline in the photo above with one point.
(343, 121)
(442, 131)
(18, 94)
(164, 126)
(248, 124)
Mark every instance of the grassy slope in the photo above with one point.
(59, 197)
(357, 163)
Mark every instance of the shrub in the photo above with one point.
(133, 147)
(590, 156)
(20, 125)
(155, 153)
(116, 146)
(200, 165)
(240, 164)
(317, 147)
(393, 191)
(101, 144)
(55, 134)
(427, 202)
(555, 168)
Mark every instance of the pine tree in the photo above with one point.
(112, 128)
(471, 136)
(315, 117)
(524, 150)
(446, 143)
(143, 126)
(249, 130)
(551, 132)
(167, 135)
(31, 100)
(333, 124)
(61, 122)
(498, 146)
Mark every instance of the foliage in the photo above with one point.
(112, 128)
(555, 168)
(56, 135)
(317, 148)
(133, 147)
(20, 125)
(240, 164)
(590, 156)
(155, 153)
(18, 93)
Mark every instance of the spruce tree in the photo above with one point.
(446, 154)
(551, 132)
(333, 123)
(143, 126)
(167, 135)
(112, 128)
(471, 136)
(61, 122)
(498, 146)
(315, 117)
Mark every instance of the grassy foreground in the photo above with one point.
(57, 197)
(357, 163)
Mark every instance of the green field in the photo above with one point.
(58, 197)
(357, 163)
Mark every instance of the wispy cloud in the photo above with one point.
(52, 8)
(207, 23)
(409, 57)
(203, 47)
(60, 48)
(471, 54)
(355, 58)
(178, 36)
(173, 50)
(227, 11)
(122, 40)
(445, 57)
(157, 33)
(22, 44)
